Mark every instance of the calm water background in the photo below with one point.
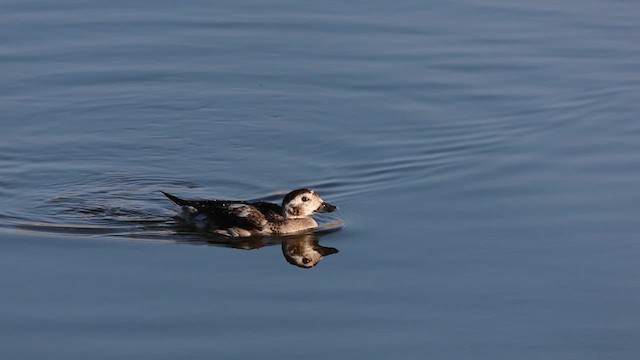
(484, 155)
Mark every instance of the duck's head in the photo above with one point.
(304, 202)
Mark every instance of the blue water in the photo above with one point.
(484, 156)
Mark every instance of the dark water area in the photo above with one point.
(484, 156)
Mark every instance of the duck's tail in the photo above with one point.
(175, 199)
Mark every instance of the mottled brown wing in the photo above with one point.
(231, 213)
(271, 211)
(242, 215)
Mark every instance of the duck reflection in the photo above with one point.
(303, 251)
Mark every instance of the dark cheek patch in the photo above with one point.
(294, 211)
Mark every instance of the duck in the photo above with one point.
(240, 218)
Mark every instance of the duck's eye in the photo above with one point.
(305, 199)
(306, 261)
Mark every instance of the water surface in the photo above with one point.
(484, 156)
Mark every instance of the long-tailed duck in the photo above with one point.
(242, 218)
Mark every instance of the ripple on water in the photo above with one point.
(124, 207)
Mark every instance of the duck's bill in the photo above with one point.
(324, 251)
(326, 208)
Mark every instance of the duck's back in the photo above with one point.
(252, 216)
